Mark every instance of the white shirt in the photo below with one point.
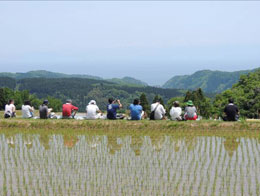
(175, 112)
(26, 111)
(160, 111)
(92, 111)
(9, 108)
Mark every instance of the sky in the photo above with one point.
(149, 40)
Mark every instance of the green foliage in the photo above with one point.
(128, 81)
(45, 74)
(208, 81)
(81, 91)
(172, 100)
(20, 96)
(55, 104)
(7, 82)
(144, 103)
(246, 95)
(158, 98)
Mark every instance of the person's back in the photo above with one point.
(190, 111)
(112, 108)
(67, 109)
(176, 111)
(9, 109)
(111, 111)
(27, 110)
(159, 110)
(136, 110)
(92, 110)
(43, 110)
(231, 111)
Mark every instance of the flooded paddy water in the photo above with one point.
(129, 164)
(35, 164)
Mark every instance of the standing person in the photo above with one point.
(231, 111)
(175, 111)
(157, 111)
(27, 110)
(69, 110)
(190, 111)
(92, 111)
(136, 110)
(10, 109)
(44, 111)
(112, 107)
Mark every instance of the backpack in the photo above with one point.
(153, 112)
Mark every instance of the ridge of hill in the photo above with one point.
(209, 81)
(128, 81)
(48, 74)
(82, 90)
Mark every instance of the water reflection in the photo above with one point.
(28, 140)
(136, 144)
(128, 165)
(113, 144)
(231, 145)
(70, 140)
(45, 141)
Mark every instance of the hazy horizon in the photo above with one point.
(150, 41)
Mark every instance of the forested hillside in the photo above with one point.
(246, 94)
(48, 74)
(208, 81)
(81, 91)
(45, 74)
(128, 81)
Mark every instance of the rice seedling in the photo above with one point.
(127, 159)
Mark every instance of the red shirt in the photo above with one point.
(67, 109)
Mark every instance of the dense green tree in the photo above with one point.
(20, 96)
(246, 95)
(158, 98)
(145, 103)
(55, 104)
(81, 91)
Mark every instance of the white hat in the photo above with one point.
(93, 102)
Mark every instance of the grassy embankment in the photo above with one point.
(126, 127)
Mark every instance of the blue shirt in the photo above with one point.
(136, 111)
(111, 111)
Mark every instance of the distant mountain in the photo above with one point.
(47, 74)
(209, 81)
(128, 81)
(82, 90)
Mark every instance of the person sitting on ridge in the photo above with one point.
(190, 111)
(136, 110)
(44, 111)
(92, 111)
(158, 110)
(69, 110)
(10, 109)
(27, 110)
(175, 111)
(112, 107)
(231, 111)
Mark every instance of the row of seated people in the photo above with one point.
(93, 112)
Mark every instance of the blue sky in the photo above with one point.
(149, 40)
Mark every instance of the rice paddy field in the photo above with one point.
(69, 157)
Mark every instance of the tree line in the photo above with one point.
(246, 95)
